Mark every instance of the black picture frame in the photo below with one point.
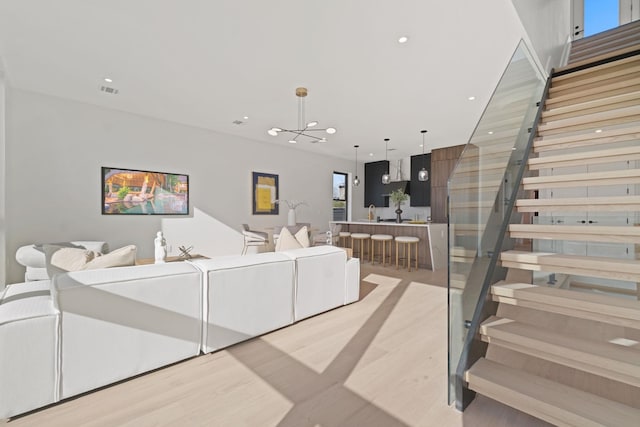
(143, 192)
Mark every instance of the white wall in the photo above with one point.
(55, 148)
(548, 26)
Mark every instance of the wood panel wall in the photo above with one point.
(443, 160)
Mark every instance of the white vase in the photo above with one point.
(291, 218)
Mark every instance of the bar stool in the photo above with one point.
(343, 235)
(407, 241)
(383, 239)
(361, 237)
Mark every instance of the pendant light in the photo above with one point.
(423, 175)
(385, 177)
(356, 180)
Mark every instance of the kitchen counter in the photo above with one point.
(374, 222)
(432, 248)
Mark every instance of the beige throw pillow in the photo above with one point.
(286, 241)
(119, 258)
(302, 236)
(62, 259)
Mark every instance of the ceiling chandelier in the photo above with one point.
(305, 128)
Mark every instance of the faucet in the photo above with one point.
(372, 212)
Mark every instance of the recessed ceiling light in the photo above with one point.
(312, 124)
(246, 117)
(403, 39)
(292, 141)
(331, 131)
(471, 98)
(490, 132)
(108, 80)
(370, 154)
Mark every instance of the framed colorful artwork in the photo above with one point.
(265, 194)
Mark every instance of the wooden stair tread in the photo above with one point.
(546, 399)
(624, 176)
(606, 267)
(584, 301)
(633, 132)
(575, 64)
(588, 72)
(616, 70)
(601, 91)
(622, 41)
(587, 157)
(608, 204)
(590, 118)
(593, 233)
(593, 106)
(491, 183)
(595, 39)
(601, 358)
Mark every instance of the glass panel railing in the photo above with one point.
(485, 179)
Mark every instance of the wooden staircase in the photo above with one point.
(566, 348)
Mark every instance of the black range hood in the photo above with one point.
(394, 185)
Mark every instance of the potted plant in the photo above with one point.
(398, 197)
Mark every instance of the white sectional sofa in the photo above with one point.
(119, 322)
(29, 353)
(245, 297)
(87, 329)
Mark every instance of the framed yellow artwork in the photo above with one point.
(265, 194)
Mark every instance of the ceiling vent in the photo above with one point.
(237, 122)
(109, 90)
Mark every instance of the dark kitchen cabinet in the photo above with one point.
(373, 186)
(420, 190)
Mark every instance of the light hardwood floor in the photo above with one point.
(379, 362)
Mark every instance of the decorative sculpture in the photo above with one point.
(160, 248)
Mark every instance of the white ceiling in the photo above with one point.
(206, 63)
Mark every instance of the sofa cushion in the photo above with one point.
(119, 322)
(25, 301)
(28, 344)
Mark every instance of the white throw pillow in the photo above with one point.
(302, 236)
(286, 241)
(119, 258)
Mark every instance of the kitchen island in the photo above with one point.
(432, 248)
